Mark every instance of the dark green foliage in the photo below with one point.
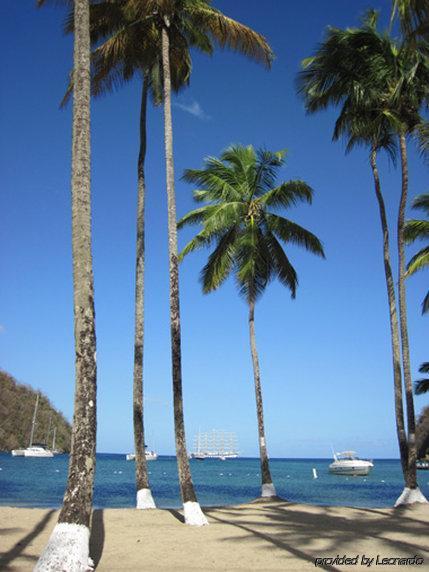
(422, 385)
(240, 219)
(422, 434)
(419, 230)
(16, 413)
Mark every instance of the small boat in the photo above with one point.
(38, 450)
(347, 463)
(150, 455)
(34, 449)
(422, 464)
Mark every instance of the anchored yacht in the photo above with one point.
(347, 463)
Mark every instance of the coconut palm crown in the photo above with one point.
(240, 218)
(418, 230)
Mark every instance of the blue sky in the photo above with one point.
(325, 357)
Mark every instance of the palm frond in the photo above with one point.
(421, 386)
(288, 194)
(418, 261)
(290, 232)
(220, 261)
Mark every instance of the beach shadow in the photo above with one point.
(7, 557)
(177, 515)
(293, 529)
(96, 541)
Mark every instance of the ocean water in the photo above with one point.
(40, 482)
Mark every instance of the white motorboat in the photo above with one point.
(150, 455)
(347, 463)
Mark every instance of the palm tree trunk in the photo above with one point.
(68, 546)
(268, 489)
(411, 473)
(144, 495)
(193, 513)
(393, 316)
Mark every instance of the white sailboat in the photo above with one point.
(34, 449)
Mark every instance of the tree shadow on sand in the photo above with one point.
(293, 529)
(17, 550)
(96, 541)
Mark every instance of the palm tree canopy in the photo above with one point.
(419, 230)
(413, 16)
(379, 85)
(126, 36)
(240, 217)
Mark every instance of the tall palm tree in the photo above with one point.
(418, 230)
(240, 195)
(68, 546)
(380, 87)
(121, 50)
(182, 24)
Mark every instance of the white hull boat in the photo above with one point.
(347, 463)
(38, 451)
(35, 449)
(150, 456)
(215, 445)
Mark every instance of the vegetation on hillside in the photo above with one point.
(16, 414)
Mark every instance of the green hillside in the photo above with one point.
(16, 413)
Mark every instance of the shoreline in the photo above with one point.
(261, 535)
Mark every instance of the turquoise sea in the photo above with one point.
(40, 482)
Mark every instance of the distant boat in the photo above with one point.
(214, 445)
(38, 450)
(347, 463)
(34, 449)
(422, 464)
(150, 455)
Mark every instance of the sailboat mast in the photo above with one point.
(53, 439)
(33, 424)
(48, 432)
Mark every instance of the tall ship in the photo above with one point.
(215, 444)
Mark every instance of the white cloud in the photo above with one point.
(193, 108)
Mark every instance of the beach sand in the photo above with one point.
(263, 535)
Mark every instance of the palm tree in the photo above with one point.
(380, 87)
(415, 230)
(183, 24)
(239, 190)
(68, 546)
(121, 51)
(422, 385)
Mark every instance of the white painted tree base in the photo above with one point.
(268, 490)
(193, 514)
(67, 549)
(145, 499)
(411, 496)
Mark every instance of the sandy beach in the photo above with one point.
(273, 535)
